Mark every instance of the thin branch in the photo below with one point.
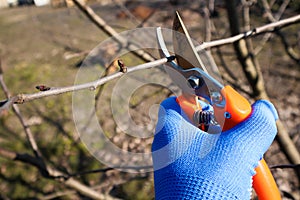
(267, 6)
(207, 26)
(268, 11)
(16, 110)
(21, 98)
(249, 45)
(288, 48)
(134, 168)
(287, 145)
(254, 32)
(56, 195)
(297, 166)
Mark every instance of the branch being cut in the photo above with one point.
(21, 98)
(254, 32)
(96, 19)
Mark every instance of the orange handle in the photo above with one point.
(264, 183)
(237, 110)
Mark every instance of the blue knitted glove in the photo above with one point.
(191, 164)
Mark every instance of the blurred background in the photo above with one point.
(44, 42)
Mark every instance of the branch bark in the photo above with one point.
(254, 32)
(22, 98)
(267, 7)
(288, 48)
(17, 112)
(274, 18)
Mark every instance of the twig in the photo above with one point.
(289, 50)
(287, 144)
(135, 168)
(254, 32)
(56, 195)
(22, 98)
(271, 18)
(16, 110)
(249, 47)
(285, 166)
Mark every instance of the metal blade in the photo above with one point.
(186, 54)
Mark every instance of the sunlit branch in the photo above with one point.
(21, 98)
(254, 32)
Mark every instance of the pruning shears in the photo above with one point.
(227, 107)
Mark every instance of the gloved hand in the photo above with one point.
(191, 164)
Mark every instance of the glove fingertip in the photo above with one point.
(266, 106)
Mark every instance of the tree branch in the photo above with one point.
(254, 32)
(21, 98)
(285, 166)
(17, 112)
(289, 50)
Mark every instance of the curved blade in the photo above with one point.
(186, 54)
